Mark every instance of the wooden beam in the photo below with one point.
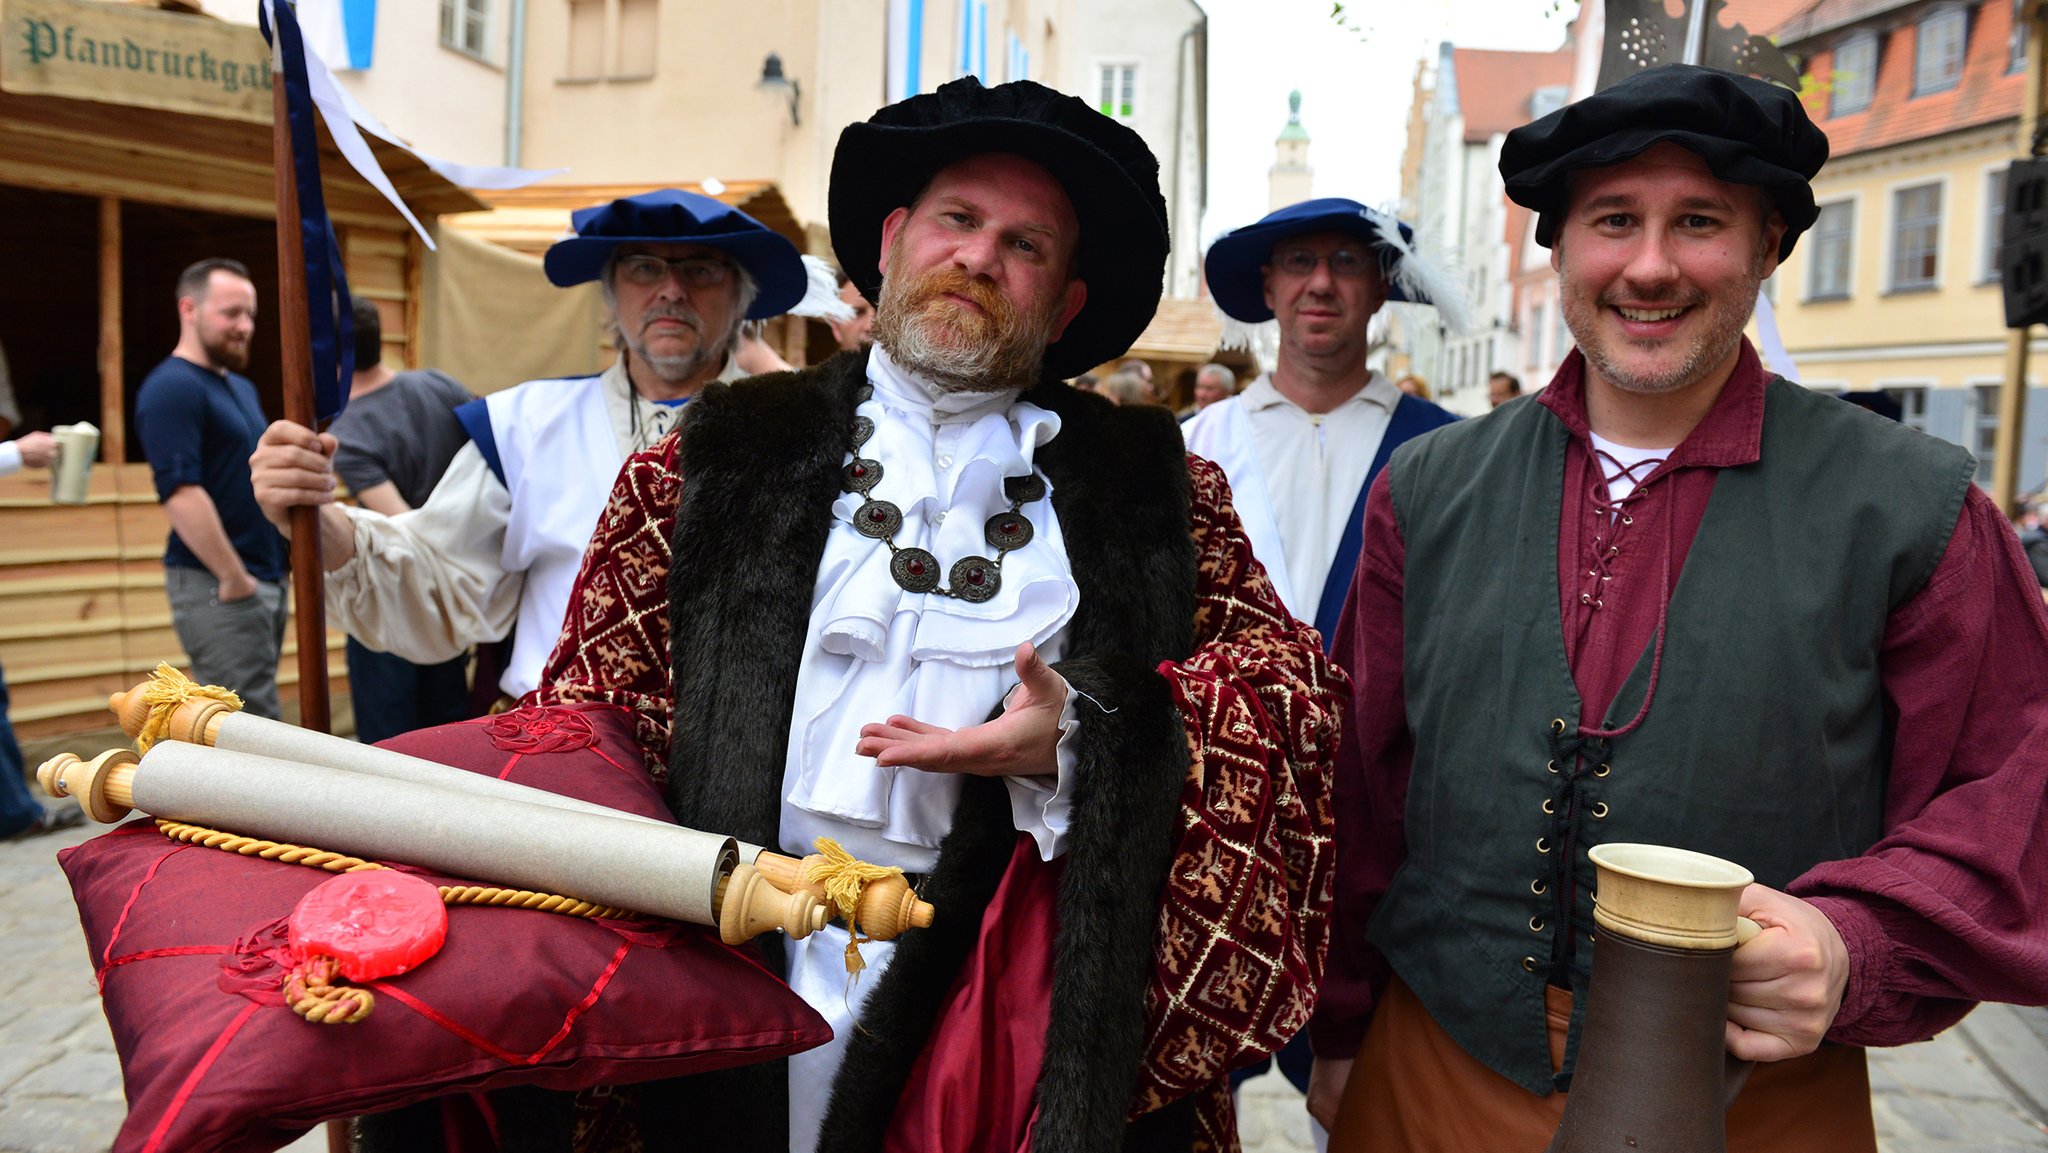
(113, 399)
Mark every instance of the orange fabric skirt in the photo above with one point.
(1414, 1090)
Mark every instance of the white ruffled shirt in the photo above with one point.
(874, 650)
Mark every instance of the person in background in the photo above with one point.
(1414, 386)
(21, 815)
(858, 333)
(1502, 387)
(1126, 388)
(393, 442)
(1213, 382)
(198, 420)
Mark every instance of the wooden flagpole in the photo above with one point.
(309, 601)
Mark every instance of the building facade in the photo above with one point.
(1896, 288)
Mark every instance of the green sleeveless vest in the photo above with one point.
(1767, 741)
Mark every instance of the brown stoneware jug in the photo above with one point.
(1653, 1073)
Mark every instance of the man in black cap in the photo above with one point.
(1679, 601)
(500, 537)
(934, 604)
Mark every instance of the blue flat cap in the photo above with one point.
(671, 216)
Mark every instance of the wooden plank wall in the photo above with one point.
(82, 608)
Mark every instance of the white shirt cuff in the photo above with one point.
(1043, 806)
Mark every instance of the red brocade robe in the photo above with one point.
(1238, 926)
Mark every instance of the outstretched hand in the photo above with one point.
(1023, 742)
(1787, 983)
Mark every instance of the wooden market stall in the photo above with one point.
(112, 180)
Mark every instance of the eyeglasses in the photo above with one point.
(694, 271)
(1345, 263)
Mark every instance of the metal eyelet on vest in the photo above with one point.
(1557, 725)
(1528, 964)
(1603, 770)
(1539, 886)
(1549, 808)
(1599, 810)
(1543, 845)
(1536, 924)
(1550, 767)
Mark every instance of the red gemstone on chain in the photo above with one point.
(916, 567)
(879, 515)
(976, 576)
(860, 470)
(1011, 527)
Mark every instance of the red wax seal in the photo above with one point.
(377, 923)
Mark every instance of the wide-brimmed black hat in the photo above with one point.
(1109, 174)
(1748, 131)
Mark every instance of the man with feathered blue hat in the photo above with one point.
(1302, 443)
(499, 541)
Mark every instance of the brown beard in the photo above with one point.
(232, 357)
(959, 349)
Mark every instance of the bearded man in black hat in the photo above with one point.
(932, 603)
(1673, 599)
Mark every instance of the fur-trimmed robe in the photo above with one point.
(1192, 911)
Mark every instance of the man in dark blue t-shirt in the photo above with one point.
(198, 421)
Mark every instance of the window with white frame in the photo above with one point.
(1116, 90)
(1828, 247)
(466, 27)
(1984, 436)
(1938, 50)
(1994, 223)
(1916, 237)
(2016, 44)
(1855, 76)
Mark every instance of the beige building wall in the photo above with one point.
(1949, 336)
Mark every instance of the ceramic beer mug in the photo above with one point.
(1653, 1073)
(77, 445)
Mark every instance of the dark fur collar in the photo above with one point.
(761, 464)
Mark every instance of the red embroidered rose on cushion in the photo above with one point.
(541, 730)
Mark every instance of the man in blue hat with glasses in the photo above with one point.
(499, 541)
(1302, 443)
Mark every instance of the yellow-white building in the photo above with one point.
(1896, 288)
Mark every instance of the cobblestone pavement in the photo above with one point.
(1982, 1087)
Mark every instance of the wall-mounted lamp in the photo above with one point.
(773, 80)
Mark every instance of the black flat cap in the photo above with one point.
(1748, 131)
(1111, 177)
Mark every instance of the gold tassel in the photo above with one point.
(168, 689)
(844, 878)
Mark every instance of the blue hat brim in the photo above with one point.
(768, 256)
(1235, 263)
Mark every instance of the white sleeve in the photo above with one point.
(10, 457)
(1043, 806)
(427, 584)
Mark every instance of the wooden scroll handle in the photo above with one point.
(104, 785)
(749, 904)
(195, 722)
(887, 909)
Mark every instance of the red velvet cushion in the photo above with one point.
(187, 942)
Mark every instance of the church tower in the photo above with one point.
(1290, 180)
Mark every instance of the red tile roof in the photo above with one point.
(1494, 87)
(1986, 94)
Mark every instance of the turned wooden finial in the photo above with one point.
(750, 905)
(195, 721)
(104, 785)
(887, 907)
